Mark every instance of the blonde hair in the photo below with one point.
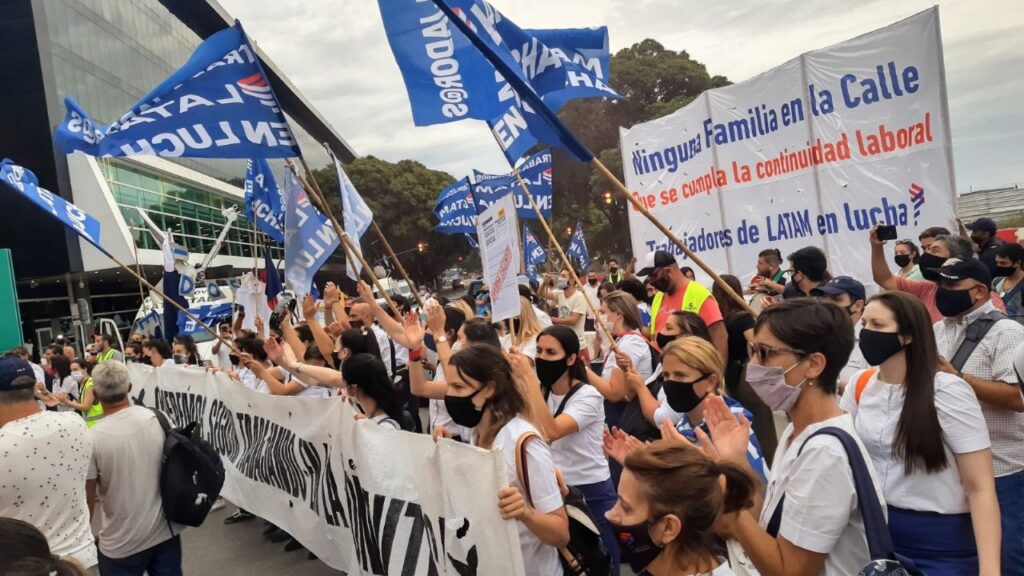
(529, 325)
(461, 306)
(623, 303)
(696, 353)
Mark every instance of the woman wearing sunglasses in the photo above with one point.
(798, 349)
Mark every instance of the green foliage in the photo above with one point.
(401, 196)
(653, 81)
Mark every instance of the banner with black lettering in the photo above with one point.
(364, 499)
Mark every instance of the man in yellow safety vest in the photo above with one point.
(107, 351)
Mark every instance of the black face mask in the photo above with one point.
(902, 260)
(549, 371)
(612, 270)
(680, 395)
(664, 339)
(1005, 270)
(928, 260)
(663, 284)
(636, 544)
(357, 324)
(877, 347)
(952, 303)
(463, 411)
(978, 239)
(593, 281)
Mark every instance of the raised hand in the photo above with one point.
(730, 436)
(413, 330)
(274, 351)
(435, 318)
(618, 445)
(331, 293)
(309, 307)
(335, 329)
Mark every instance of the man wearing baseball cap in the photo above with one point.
(977, 343)
(983, 234)
(44, 466)
(677, 292)
(849, 294)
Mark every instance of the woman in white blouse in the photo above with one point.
(928, 442)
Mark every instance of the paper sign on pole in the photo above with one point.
(811, 153)
(498, 235)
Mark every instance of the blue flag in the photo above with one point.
(534, 252)
(209, 314)
(271, 281)
(25, 182)
(356, 215)
(536, 172)
(456, 209)
(539, 78)
(578, 248)
(264, 203)
(309, 239)
(218, 105)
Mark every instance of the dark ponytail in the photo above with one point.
(25, 552)
(739, 487)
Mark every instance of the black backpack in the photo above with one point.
(191, 474)
(633, 421)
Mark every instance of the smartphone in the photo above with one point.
(886, 232)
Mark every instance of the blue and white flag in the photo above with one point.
(209, 314)
(447, 79)
(309, 239)
(535, 171)
(577, 250)
(147, 325)
(357, 217)
(264, 202)
(24, 181)
(218, 105)
(535, 254)
(456, 209)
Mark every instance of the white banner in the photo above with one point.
(813, 152)
(365, 500)
(498, 234)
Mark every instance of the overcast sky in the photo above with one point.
(336, 53)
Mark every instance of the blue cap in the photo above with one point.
(841, 285)
(983, 224)
(12, 368)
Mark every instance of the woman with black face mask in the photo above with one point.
(670, 497)
(907, 257)
(483, 395)
(928, 441)
(573, 419)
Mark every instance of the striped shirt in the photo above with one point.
(991, 360)
(754, 456)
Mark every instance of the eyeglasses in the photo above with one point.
(763, 352)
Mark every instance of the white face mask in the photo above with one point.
(77, 376)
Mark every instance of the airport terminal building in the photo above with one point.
(107, 54)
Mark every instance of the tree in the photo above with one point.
(653, 82)
(401, 196)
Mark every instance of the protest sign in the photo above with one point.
(499, 251)
(364, 499)
(535, 171)
(813, 152)
(264, 202)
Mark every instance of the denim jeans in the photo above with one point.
(1010, 491)
(164, 559)
(601, 497)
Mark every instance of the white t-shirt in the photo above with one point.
(856, 363)
(128, 448)
(575, 304)
(963, 430)
(634, 345)
(591, 292)
(313, 390)
(543, 317)
(820, 513)
(384, 342)
(385, 421)
(224, 358)
(527, 348)
(580, 455)
(70, 387)
(44, 459)
(539, 559)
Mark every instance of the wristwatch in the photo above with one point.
(441, 339)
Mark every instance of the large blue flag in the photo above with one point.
(456, 209)
(218, 105)
(578, 248)
(309, 239)
(534, 252)
(24, 181)
(357, 217)
(535, 171)
(209, 314)
(264, 202)
(540, 79)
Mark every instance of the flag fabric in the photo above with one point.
(271, 279)
(448, 78)
(578, 248)
(218, 105)
(309, 239)
(535, 171)
(472, 241)
(209, 314)
(24, 181)
(456, 209)
(172, 283)
(148, 325)
(534, 252)
(264, 202)
(356, 215)
(539, 79)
